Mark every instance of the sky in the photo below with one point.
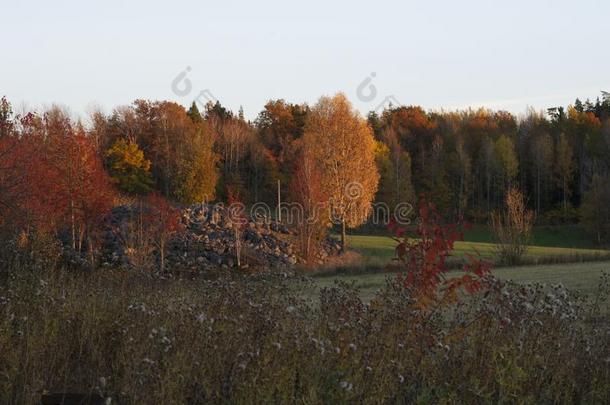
(438, 54)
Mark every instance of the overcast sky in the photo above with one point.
(438, 54)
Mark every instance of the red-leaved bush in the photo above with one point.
(425, 258)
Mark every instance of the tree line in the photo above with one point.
(61, 174)
(468, 159)
(465, 159)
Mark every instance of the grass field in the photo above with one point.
(377, 251)
(581, 276)
(577, 268)
(566, 236)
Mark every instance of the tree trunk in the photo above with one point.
(460, 195)
(73, 224)
(537, 192)
(279, 202)
(488, 193)
(397, 175)
(565, 205)
(91, 253)
(237, 248)
(343, 239)
(162, 255)
(167, 160)
(308, 246)
(81, 238)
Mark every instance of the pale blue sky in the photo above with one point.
(438, 54)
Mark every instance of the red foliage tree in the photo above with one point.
(93, 195)
(306, 190)
(59, 183)
(32, 197)
(73, 173)
(161, 221)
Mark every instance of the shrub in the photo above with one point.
(425, 258)
(562, 214)
(512, 228)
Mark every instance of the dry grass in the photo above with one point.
(251, 339)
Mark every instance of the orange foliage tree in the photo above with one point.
(342, 145)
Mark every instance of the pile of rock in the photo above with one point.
(208, 240)
(210, 236)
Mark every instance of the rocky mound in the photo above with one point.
(208, 241)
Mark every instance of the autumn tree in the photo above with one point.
(237, 222)
(386, 188)
(99, 131)
(6, 118)
(542, 159)
(9, 176)
(241, 158)
(63, 190)
(15, 159)
(506, 164)
(437, 178)
(279, 126)
(194, 114)
(128, 167)
(179, 146)
(95, 196)
(512, 227)
(197, 172)
(232, 144)
(79, 180)
(459, 164)
(583, 135)
(486, 169)
(342, 145)
(262, 173)
(394, 166)
(563, 169)
(306, 189)
(415, 131)
(161, 222)
(595, 208)
(29, 181)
